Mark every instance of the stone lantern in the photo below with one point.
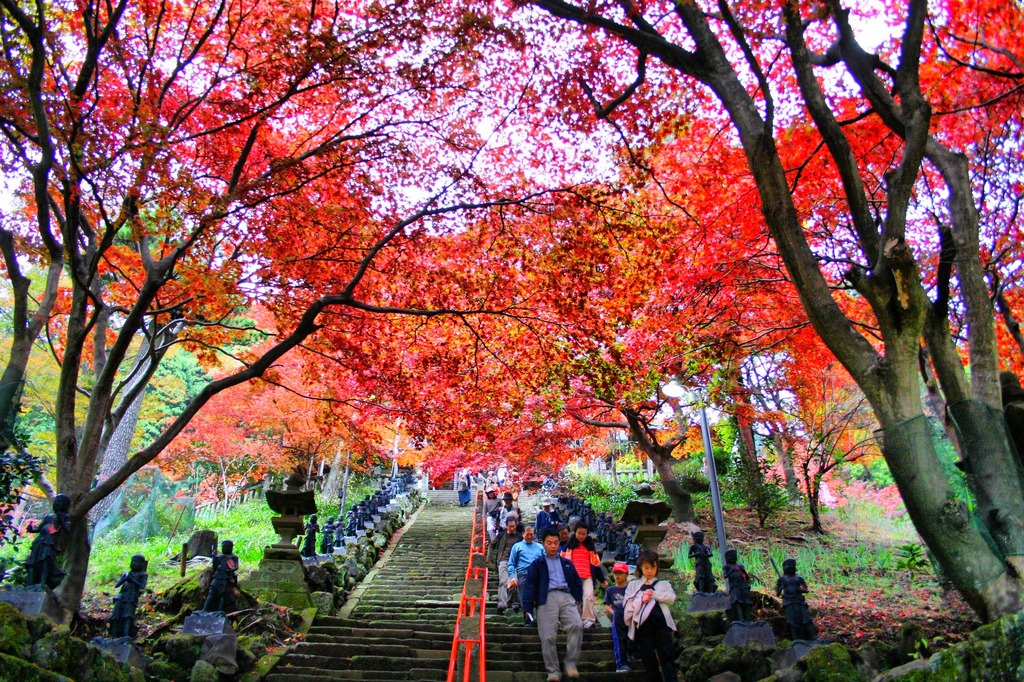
(648, 514)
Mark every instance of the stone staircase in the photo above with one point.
(444, 496)
(398, 624)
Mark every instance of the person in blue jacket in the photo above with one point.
(523, 553)
(548, 516)
(553, 591)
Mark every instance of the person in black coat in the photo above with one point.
(553, 591)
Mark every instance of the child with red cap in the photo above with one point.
(613, 596)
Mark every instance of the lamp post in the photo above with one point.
(673, 390)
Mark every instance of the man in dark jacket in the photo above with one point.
(498, 553)
(555, 590)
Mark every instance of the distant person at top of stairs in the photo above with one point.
(491, 505)
(554, 589)
(462, 485)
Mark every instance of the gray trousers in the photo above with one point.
(560, 608)
(503, 591)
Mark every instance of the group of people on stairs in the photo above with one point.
(550, 573)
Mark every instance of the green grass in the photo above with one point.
(866, 548)
(247, 524)
(861, 566)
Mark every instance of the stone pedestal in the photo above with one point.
(289, 528)
(124, 650)
(33, 602)
(748, 633)
(280, 579)
(206, 623)
(707, 602)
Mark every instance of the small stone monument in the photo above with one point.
(792, 587)
(648, 514)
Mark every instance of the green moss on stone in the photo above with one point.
(204, 672)
(14, 631)
(14, 669)
(61, 653)
(164, 671)
(749, 663)
(829, 663)
(182, 650)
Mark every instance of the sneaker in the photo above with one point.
(553, 678)
(501, 610)
(623, 669)
(587, 624)
(528, 620)
(516, 607)
(571, 672)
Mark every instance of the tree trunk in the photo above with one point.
(813, 487)
(788, 471)
(679, 499)
(330, 489)
(116, 442)
(76, 565)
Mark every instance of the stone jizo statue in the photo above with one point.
(327, 539)
(122, 620)
(703, 579)
(220, 596)
(52, 536)
(309, 543)
(741, 606)
(792, 588)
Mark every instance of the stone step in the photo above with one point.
(401, 625)
(299, 673)
(500, 657)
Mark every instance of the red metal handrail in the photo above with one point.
(472, 603)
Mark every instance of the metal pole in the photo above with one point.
(716, 497)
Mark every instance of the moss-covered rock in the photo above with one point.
(14, 631)
(992, 653)
(61, 653)
(17, 669)
(324, 603)
(253, 644)
(688, 630)
(829, 663)
(749, 663)
(182, 650)
(189, 592)
(162, 670)
(204, 672)
(913, 642)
